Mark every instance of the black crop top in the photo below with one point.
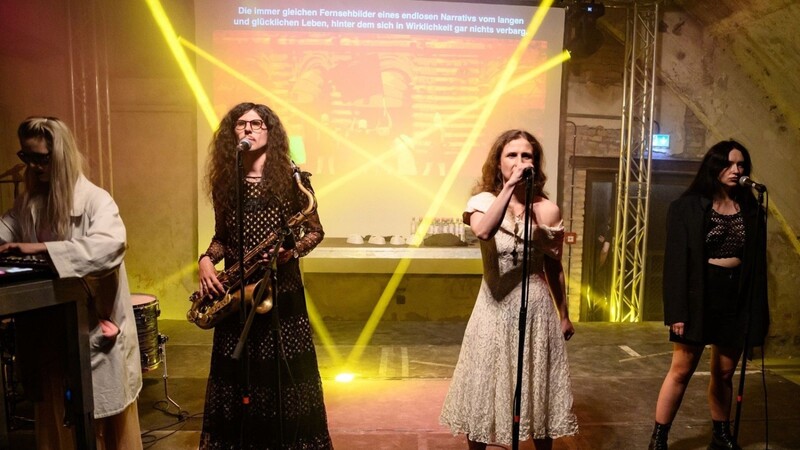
(725, 237)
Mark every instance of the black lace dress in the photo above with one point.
(285, 389)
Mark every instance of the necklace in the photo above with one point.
(515, 252)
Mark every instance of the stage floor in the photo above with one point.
(404, 372)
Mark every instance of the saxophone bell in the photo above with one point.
(207, 310)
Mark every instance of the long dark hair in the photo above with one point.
(491, 176)
(221, 176)
(706, 183)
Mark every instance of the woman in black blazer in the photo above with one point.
(715, 285)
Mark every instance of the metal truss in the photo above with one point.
(633, 185)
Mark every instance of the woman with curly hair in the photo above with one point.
(480, 400)
(272, 396)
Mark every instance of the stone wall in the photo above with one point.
(594, 93)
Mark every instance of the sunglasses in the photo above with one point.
(40, 159)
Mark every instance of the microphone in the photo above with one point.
(244, 145)
(746, 181)
(527, 173)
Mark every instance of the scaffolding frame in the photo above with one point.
(633, 182)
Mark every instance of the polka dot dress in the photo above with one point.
(271, 399)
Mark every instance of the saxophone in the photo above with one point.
(207, 311)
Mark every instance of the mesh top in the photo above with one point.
(725, 238)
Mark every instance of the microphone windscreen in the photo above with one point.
(244, 145)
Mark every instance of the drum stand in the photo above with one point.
(165, 405)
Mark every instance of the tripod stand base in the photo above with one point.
(166, 404)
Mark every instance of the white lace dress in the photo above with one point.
(480, 402)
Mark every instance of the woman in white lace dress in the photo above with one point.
(480, 400)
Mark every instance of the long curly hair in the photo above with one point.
(221, 174)
(706, 182)
(492, 178)
(52, 199)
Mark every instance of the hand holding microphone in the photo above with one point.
(527, 173)
(521, 175)
(746, 181)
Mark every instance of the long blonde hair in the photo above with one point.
(52, 201)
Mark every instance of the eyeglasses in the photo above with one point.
(40, 159)
(257, 124)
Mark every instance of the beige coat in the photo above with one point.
(97, 246)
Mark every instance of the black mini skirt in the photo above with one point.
(722, 324)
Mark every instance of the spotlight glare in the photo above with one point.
(344, 377)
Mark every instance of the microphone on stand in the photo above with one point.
(746, 181)
(244, 145)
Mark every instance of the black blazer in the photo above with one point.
(688, 219)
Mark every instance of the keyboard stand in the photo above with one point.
(71, 298)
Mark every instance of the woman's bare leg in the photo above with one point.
(684, 362)
(720, 387)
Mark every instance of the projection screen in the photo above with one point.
(392, 106)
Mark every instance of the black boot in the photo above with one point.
(721, 439)
(658, 441)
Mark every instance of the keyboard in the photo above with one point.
(15, 268)
(28, 261)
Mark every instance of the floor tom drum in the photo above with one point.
(146, 312)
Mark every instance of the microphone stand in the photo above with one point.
(749, 308)
(245, 364)
(523, 314)
(270, 279)
(276, 326)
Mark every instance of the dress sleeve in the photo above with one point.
(311, 230)
(216, 249)
(480, 203)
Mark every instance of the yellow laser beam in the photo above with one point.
(300, 113)
(172, 38)
(175, 42)
(517, 82)
(403, 264)
(322, 331)
(787, 229)
(377, 313)
(491, 102)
